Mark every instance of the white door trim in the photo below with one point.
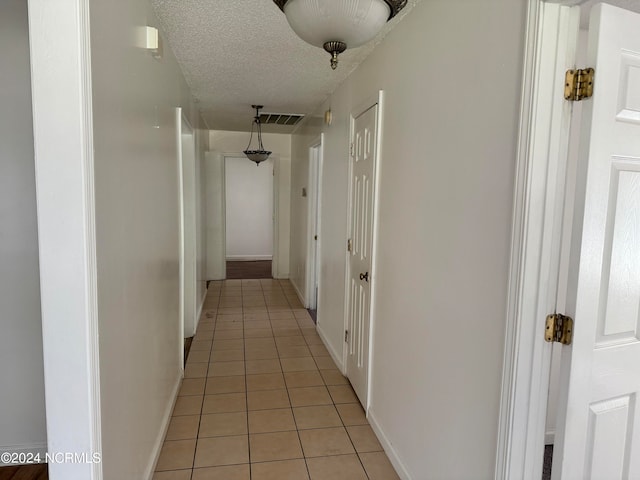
(188, 229)
(536, 236)
(377, 99)
(60, 46)
(275, 256)
(313, 224)
(182, 247)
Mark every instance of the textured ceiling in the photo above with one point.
(235, 53)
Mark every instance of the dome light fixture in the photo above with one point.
(259, 155)
(336, 25)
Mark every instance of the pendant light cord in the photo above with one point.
(256, 121)
(251, 136)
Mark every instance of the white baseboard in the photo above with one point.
(248, 258)
(334, 354)
(157, 448)
(401, 470)
(298, 292)
(28, 452)
(200, 308)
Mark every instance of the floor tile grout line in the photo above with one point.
(246, 390)
(295, 422)
(290, 404)
(204, 393)
(243, 310)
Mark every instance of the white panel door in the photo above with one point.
(599, 421)
(361, 240)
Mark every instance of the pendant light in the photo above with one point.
(336, 25)
(261, 154)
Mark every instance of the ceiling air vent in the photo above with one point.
(287, 119)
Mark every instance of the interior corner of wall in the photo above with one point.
(337, 357)
(391, 452)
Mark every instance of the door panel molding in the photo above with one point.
(373, 101)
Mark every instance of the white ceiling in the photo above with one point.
(235, 53)
(633, 5)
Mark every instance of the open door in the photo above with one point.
(598, 434)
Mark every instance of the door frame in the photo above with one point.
(376, 99)
(537, 235)
(276, 196)
(188, 233)
(314, 212)
(275, 256)
(60, 51)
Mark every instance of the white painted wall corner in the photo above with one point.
(332, 351)
(400, 468)
(157, 447)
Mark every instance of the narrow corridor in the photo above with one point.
(263, 400)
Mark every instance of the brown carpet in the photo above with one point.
(249, 270)
(187, 347)
(548, 459)
(25, 472)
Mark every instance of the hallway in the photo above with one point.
(262, 399)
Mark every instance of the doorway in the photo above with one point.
(313, 228)
(249, 218)
(583, 253)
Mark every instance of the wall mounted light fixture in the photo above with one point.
(336, 25)
(153, 41)
(328, 118)
(259, 155)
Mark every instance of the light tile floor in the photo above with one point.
(263, 400)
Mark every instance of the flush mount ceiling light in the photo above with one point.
(261, 154)
(336, 25)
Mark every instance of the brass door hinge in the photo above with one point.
(578, 84)
(349, 245)
(351, 149)
(346, 335)
(559, 328)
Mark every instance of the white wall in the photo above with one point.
(137, 215)
(224, 143)
(214, 216)
(446, 186)
(22, 410)
(249, 209)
